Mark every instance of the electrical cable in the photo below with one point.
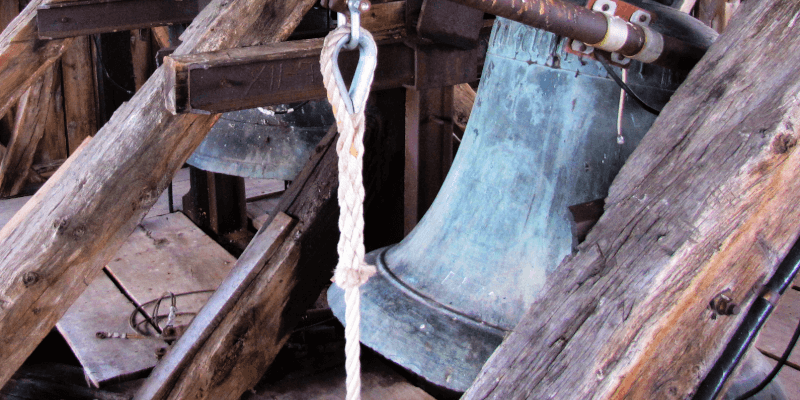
(604, 61)
(772, 374)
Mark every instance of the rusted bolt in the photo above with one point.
(30, 278)
(722, 304)
(643, 18)
(605, 7)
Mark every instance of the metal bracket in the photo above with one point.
(621, 11)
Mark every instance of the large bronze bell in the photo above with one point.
(542, 136)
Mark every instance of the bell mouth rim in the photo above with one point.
(378, 258)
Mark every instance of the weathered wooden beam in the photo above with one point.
(707, 202)
(81, 216)
(235, 338)
(31, 121)
(23, 56)
(80, 104)
(87, 17)
(276, 74)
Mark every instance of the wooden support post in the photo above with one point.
(707, 202)
(140, 56)
(53, 146)
(82, 215)
(31, 121)
(8, 10)
(80, 104)
(429, 149)
(23, 56)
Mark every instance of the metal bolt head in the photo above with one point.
(643, 18)
(364, 6)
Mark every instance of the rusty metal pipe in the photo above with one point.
(596, 29)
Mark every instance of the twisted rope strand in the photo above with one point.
(351, 270)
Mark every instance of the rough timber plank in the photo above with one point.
(29, 127)
(79, 98)
(779, 328)
(102, 307)
(170, 254)
(83, 214)
(706, 202)
(23, 57)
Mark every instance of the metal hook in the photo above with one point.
(355, 7)
(367, 60)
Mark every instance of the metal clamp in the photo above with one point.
(367, 60)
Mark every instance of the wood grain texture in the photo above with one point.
(140, 55)
(29, 127)
(248, 337)
(102, 307)
(84, 213)
(53, 146)
(80, 105)
(705, 203)
(170, 254)
(23, 57)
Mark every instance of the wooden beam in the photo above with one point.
(80, 105)
(53, 145)
(230, 347)
(707, 202)
(280, 73)
(87, 17)
(32, 119)
(23, 56)
(82, 215)
(141, 56)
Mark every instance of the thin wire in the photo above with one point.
(604, 61)
(777, 367)
(96, 40)
(155, 317)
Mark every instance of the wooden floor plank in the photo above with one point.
(170, 254)
(9, 207)
(258, 188)
(102, 307)
(779, 328)
(259, 210)
(790, 378)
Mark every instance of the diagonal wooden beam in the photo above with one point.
(63, 236)
(23, 56)
(707, 202)
(29, 127)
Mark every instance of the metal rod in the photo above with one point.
(713, 383)
(595, 29)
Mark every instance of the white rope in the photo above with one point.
(351, 271)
